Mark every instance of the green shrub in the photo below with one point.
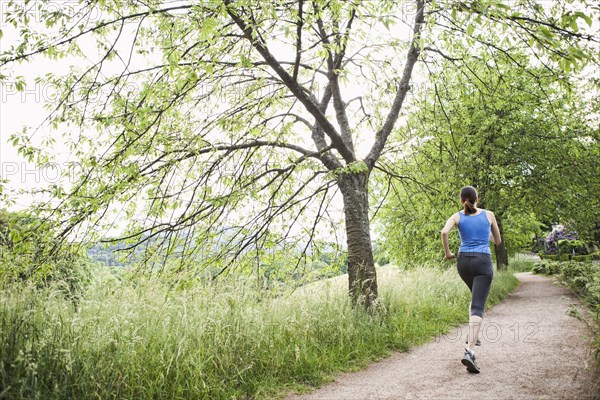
(563, 246)
(540, 267)
(592, 289)
(70, 273)
(546, 267)
(565, 257)
(582, 258)
(583, 277)
(566, 246)
(579, 247)
(31, 254)
(576, 274)
(382, 260)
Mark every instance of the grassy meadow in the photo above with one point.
(144, 340)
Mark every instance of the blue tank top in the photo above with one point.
(474, 231)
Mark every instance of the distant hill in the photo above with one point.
(107, 254)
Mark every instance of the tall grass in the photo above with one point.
(520, 265)
(143, 341)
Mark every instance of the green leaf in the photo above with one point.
(208, 27)
(546, 32)
(573, 25)
(174, 58)
(587, 18)
(245, 62)
(470, 29)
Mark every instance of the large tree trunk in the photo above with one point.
(362, 277)
(501, 252)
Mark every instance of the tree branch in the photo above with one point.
(338, 103)
(447, 57)
(301, 93)
(95, 28)
(382, 135)
(299, 24)
(318, 135)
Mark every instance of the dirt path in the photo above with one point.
(531, 349)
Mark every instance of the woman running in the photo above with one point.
(476, 228)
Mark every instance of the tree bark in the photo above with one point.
(362, 277)
(501, 252)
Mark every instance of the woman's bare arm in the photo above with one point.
(451, 223)
(495, 234)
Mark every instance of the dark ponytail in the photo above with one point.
(468, 196)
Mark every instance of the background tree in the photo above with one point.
(520, 135)
(226, 121)
(23, 240)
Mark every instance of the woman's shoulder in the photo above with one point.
(489, 215)
(456, 217)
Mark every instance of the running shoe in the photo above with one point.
(468, 360)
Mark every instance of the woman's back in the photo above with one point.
(474, 233)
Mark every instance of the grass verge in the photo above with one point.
(142, 341)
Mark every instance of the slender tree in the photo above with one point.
(228, 119)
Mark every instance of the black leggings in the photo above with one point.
(476, 271)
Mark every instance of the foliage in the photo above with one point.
(520, 230)
(582, 258)
(567, 246)
(275, 269)
(517, 134)
(546, 267)
(210, 134)
(380, 254)
(564, 243)
(210, 122)
(23, 243)
(145, 340)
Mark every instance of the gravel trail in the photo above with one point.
(531, 349)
